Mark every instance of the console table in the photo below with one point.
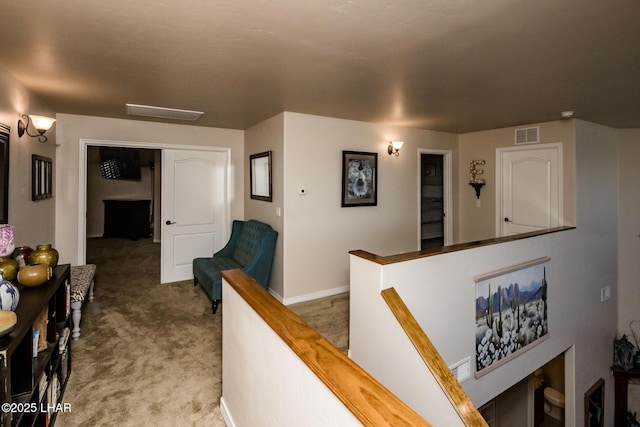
(127, 218)
(622, 378)
(31, 387)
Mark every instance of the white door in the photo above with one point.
(194, 209)
(529, 188)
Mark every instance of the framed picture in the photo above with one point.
(359, 178)
(5, 131)
(511, 313)
(594, 405)
(41, 177)
(260, 176)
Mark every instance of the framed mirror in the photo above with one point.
(260, 176)
(4, 173)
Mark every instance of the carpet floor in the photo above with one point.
(151, 354)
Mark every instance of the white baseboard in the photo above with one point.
(226, 416)
(316, 295)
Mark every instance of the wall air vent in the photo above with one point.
(528, 135)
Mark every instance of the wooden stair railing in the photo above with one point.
(370, 402)
(450, 386)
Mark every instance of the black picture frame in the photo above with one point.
(261, 186)
(5, 132)
(359, 179)
(41, 178)
(594, 405)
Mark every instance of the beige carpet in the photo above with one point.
(150, 354)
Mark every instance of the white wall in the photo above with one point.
(72, 128)
(439, 291)
(628, 232)
(269, 136)
(33, 222)
(319, 232)
(264, 383)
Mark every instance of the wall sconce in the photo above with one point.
(40, 123)
(475, 182)
(394, 147)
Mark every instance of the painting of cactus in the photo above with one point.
(511, 312)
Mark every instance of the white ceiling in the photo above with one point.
(450, 65)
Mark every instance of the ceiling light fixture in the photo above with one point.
(40, 123)
(567, 114)
(162, 112)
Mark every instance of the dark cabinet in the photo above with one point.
(127, 218)
(31, 388)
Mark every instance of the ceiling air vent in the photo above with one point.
(528, 135)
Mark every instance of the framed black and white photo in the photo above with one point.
(359, 178)
(41, 177)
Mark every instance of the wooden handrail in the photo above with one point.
(408, 256)
(449, 384)
(370, 402)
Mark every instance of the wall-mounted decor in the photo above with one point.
(260, 176)
(594, 405)
(4, 173)
(359, 178)
(511, 313)
(41, 177)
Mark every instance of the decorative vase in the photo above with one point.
(44, 254)
(21, 255)
(8, 267)
(8, 320)
(623, 353)
(9, 295)
(6, 240)
(34, 275)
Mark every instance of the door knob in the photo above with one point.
(170, 222)
(505, 220)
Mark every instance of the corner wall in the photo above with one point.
(319, 232)
(268, 136)
(33, 222)
(628, 232)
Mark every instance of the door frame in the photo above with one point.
(499, 190)
(447, 192)
(83, 145)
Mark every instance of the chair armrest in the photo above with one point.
(260, 266)
(228, 249)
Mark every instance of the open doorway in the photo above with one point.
(435, 199)
(123, 188)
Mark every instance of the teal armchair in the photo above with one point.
(251, 248)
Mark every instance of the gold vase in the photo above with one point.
(8, 267)
(44, 254)
(34, 275)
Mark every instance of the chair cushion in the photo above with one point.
(207, 273)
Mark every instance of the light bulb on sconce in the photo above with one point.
(394, 147)
(40, 123)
